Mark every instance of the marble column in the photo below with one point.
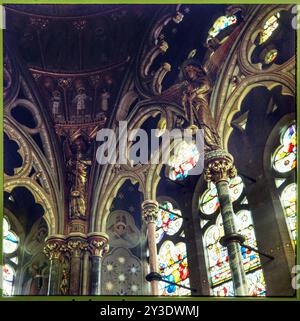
(55, 246)
(98, 246)
(77, 245)
(149, 212)
(219, 169)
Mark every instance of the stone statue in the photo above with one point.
(196, 91)
(80, 100)
(105, 95)
(55, 102)
(78, 164)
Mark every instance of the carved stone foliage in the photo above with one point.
(122, 273)
(219, 166)
(98, 244)
(150, 211)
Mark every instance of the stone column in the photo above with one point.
(77, 245)
(149, 212)
(219, 169)
(55, 246)
(98, 246)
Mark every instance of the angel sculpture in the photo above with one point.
(193, 93)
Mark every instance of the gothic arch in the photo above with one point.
(102, 208)
(235, 100)
(248, 39)
(40, 196)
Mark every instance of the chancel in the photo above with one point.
(82, 216)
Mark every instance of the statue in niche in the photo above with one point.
(55, 103)
(64, 285)
(81, 99)
(122, 230)
(196, 92)
(78, 165)
(104, 98)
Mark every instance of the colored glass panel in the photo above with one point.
(269, 27)
(185, 158)
(286, 154)
(288, 199)
(271, 56)
(169, 221)
(220, 24)
(209, 201)
(173, 266)
(8, 279)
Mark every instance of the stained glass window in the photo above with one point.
(10, 246)
(8, 279)
(286, 154)
(218, 261)
(220, 24)
(209, 201)
(284, 163)
(169, 221)
(288, 199)
(10, 239)
(270, 56)
(256, 285)
(269, 27)
(217, 255)
(172, 252)
(185, 158)
(173, 266)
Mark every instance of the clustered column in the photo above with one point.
(150, 212)
(72, 249)
(220, 169)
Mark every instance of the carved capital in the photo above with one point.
(150, 211)
(98, 244)
(55, 247)
(219, 166)
(77, 246)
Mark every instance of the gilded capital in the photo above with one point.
(55, 247)
(98, 244)
(77, 246)
(219, 166)
(150, 211)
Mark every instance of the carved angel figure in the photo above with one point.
(195, 100)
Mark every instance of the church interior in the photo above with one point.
(73, 226)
